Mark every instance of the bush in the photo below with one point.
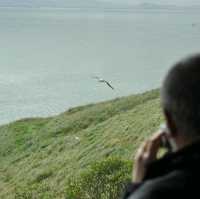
(103, 180)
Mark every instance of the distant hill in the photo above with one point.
(39, 155)
(167, 6)
(156, 6)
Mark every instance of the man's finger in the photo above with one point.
(154, 144)
(141, 150)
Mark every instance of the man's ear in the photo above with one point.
(170, 123)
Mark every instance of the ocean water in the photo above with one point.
(48, 56)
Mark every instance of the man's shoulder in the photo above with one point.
(168, 186)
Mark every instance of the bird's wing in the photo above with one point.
(109, 85)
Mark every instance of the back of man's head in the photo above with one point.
(181, 95)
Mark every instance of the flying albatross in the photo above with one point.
(103, 81)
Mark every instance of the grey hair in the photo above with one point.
(180, 95)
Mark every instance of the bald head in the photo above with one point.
(181, 95)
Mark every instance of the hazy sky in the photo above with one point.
(90, 2)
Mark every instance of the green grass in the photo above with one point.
(39, 155)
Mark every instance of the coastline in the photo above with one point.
(51, 151)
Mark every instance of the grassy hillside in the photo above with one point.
(40, 155)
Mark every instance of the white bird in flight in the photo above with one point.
(103, 81)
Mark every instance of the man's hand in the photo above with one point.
(145, 155)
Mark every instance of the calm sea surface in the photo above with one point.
(48, 56)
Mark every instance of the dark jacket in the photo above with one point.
(176, 175)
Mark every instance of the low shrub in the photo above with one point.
(103, 180)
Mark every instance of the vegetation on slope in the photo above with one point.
(56, 157)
